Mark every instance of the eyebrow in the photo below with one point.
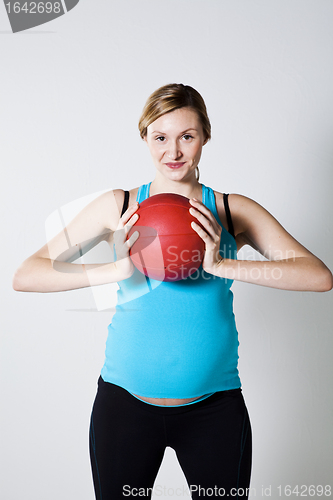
(163, 133)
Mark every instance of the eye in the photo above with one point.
(187, 137)
(160, 138)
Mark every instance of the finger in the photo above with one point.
(133, 220)
(200, 207)
(123, 247)
(197, 203)
(120, 235)
(132, 239)
(128, 220)
(134, 207)
(129, 212)
(211, 226)
(128, 226)
(210, 243)
(201, 232)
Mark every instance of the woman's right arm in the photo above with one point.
(50, 268)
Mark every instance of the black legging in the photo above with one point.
(128, 437)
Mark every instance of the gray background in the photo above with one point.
(71, 94)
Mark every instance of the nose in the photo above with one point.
(173, 151)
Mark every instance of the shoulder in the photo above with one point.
(244, 211)
(248, 213)
(107, 208)
(256, 226)
(237, 201)
(113, 202)
(238, 205)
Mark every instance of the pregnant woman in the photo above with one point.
(170, 375)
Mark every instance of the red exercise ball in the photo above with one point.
(168, 248)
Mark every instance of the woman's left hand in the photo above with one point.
(211, 235)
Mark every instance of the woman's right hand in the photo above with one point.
(124, 265)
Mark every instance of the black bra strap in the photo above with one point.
(125, 205)
(228, 214)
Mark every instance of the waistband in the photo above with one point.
(211, 399)
(185, 404)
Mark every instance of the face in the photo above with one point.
(175, 142)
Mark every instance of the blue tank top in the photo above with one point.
(175, 339)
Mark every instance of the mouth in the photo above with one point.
(175, 164)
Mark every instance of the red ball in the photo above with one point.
(168, 248)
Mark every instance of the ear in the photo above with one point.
(205, 141)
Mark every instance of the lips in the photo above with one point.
(175, 165)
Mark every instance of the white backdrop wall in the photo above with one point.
(71, 94)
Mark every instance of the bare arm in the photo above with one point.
(290, 265)
(50, 268)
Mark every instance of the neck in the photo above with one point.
(189, 188)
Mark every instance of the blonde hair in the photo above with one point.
(170, 97)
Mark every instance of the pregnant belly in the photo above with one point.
(166, 401)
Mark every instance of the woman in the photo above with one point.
(170, 375)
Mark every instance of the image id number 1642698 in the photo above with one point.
(33, 7)
(305, 491)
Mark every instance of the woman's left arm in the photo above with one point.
(290, 266)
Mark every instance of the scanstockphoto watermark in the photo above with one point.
(160, 490)
(24, 15)
(279, 491)
(177, 261)
(252, 268)
(106, 296)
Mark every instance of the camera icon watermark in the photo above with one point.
(102, 252)
(150, 264)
